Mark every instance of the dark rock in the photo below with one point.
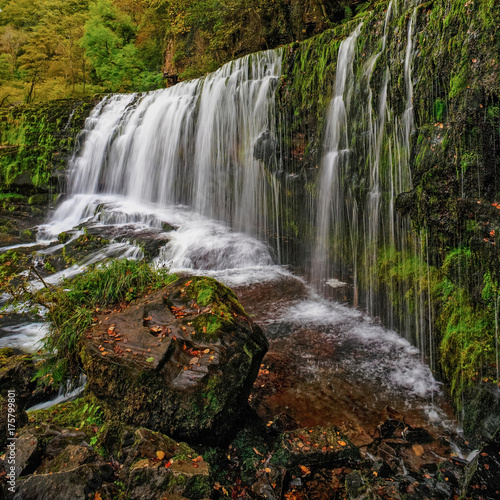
(382, 469)
(483, 476)
(316, 447)
(269, 484)
(482, 413)
(16, 374)
(148, 479)
(147, 443)
(23, 180)
(181, 361)
(354, 484)
(62, 438)
(417, 435)
(266, 149)
(16, 378)
(65, 485)
(390, 428)
(72, 456)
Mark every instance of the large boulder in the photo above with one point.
(181, 361)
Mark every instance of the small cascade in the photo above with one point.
(366, 165)
(330, 197)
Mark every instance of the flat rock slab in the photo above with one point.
(180, 361)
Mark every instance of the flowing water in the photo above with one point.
(194, 169)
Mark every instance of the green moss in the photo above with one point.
(81, 413)
(464, 309)
(439, 109)
(71, 308)
(29, 144)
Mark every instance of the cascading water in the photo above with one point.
(366, 166)
(330, 195)
(192, 144)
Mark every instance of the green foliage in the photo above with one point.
(28, 138)
(439, 109)
(109, 43)
(464, 324)
(71, 308)
(82, 413)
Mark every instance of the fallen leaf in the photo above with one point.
(305, 470)
(268, 470)
(418, 450)
(342, 443)
(160, 455)
(150, 360)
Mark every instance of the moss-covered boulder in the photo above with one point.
(181, 361)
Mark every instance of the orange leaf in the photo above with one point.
(160, 455)
(305, 470)
(342, 443)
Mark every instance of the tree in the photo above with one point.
(109, 43)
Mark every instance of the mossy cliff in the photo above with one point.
(36, 143)
(434, 253)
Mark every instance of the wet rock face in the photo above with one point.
(181, 361)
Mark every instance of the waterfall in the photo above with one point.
(212, 146)
(366, 165)
(195, 144)
(330, 197)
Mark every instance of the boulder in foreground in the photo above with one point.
(181, 361)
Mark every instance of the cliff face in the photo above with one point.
(424, 256)
(37, 141)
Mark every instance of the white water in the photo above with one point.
(330, 198)
(24, 336)
(191, 144)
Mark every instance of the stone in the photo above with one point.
(483, 475)
(181, 361)
(27, 452)
(79, 483)
(417, 435)
(317, 446)
(354, 485)
(269, 483)
(266, 149)
(72, 456)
